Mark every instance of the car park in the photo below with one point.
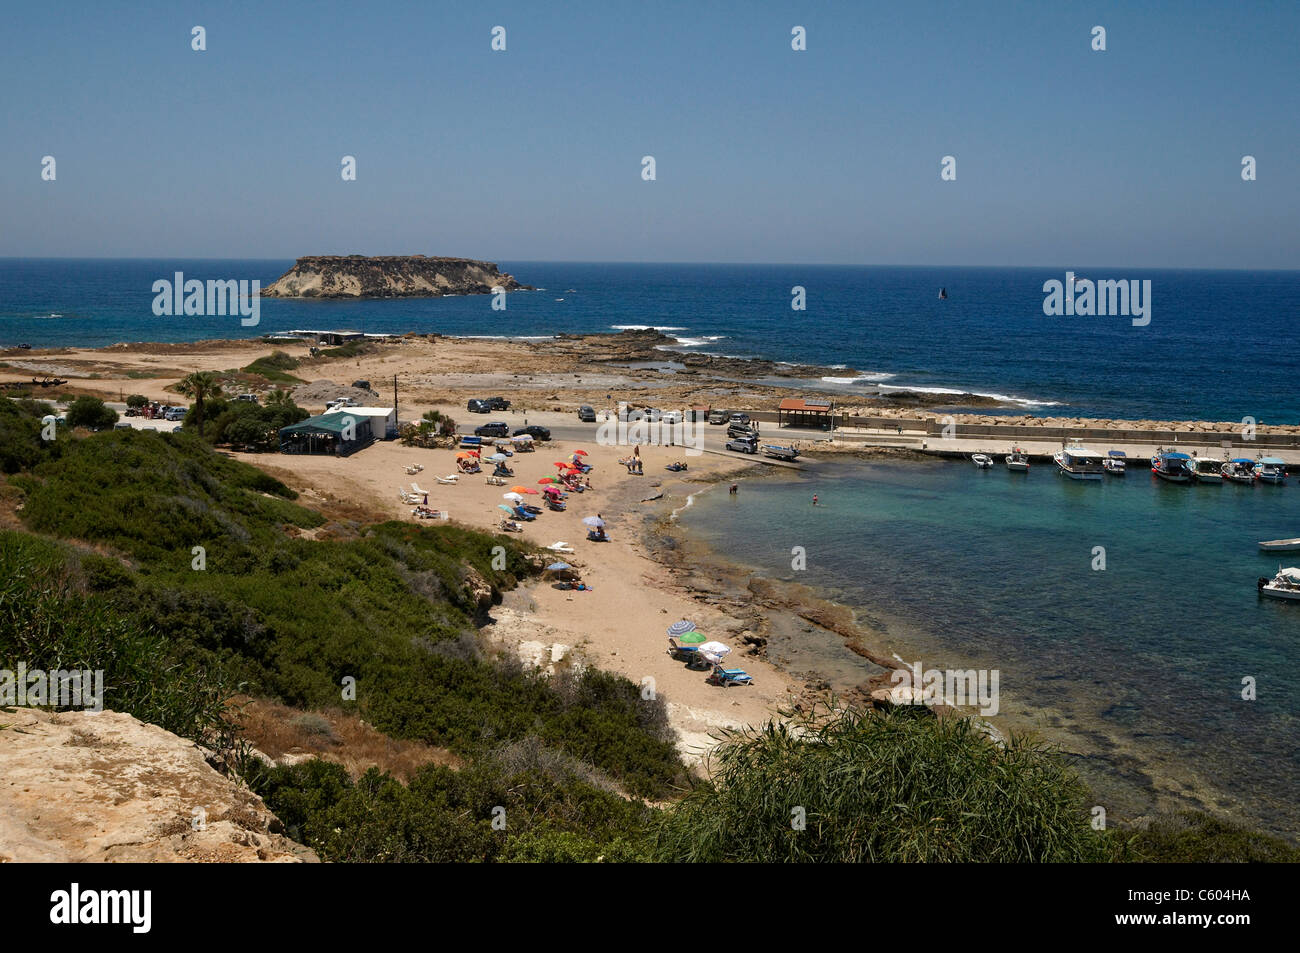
(534, 431)
(496, 428)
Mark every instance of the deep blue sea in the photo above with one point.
(1220, 344)
(1136, 667)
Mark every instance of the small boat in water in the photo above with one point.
(1280, 545)
(1116, 462)
(1018, 461)
(1207, 470)
(1173, 466)
(1285, 585)
(1239, 470)
(982, 460)
(1079, 463)
(1270, 470)
(943, 294)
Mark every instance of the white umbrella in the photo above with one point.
(714, 651)
(593, 521)
(496, 457)
(512, 497)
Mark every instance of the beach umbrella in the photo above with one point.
(515, 497)
(474, 453)
(580, 453)
(563, 464)
(523, 438)
(496, 458)
(557, 567)
(714, 651)
(523, 489)
(548, 480)
(691, 638)
(552, 491)
(593, 521)
(462, 456)
(502, 506)
(682, 627)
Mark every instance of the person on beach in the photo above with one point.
(735, 488)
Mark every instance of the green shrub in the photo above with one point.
(87, 411)
(1192, 837)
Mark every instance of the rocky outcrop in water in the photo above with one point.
(389, 276)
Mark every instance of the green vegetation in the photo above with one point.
(247, 425)
(136, 400)
(275, 367)
(904, 786)
(199, 386)
(21, 444)
(433, 424)
(87, 411)
(351, 349)
(1196, 838)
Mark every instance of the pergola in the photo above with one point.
(812, 414)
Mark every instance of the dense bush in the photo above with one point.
(1197, 838)
(87, 411)
(275, 367)
(904, 786)
(21, 442)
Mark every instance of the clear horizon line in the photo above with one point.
(628, 261)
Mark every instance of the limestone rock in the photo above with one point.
(80, 786)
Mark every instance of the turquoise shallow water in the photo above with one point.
(1138, 667)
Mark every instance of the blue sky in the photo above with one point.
(1129, 157)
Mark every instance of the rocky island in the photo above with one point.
(389, 276)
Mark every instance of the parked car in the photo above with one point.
(534, 431)
(717, 416)
(176, 413)
(246, 398)
(478, 407)
(498, 403)
(741, 430)
(133, 411)
(671, 417)
(497, 428)
(122, 425)
(743, 444)
(738, 418)
(587, 414)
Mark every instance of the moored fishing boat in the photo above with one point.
(1018, 461)
(1172, 466)
(1280, 545)
(1116, 462)
(982, 460)
(1285, 585)
(1239, 470)
(1270, 470)
(1206, 470)
(1079, 463)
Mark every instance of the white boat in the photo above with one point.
(1279, 545)
(1116, 462)
(982, 460)
(1206, 470)
(1018, 461)
(1078, 463)
(1239, 470)
(1285, 585)
(1270, 470)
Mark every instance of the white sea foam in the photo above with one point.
(860, 379)
(646, 327)
(1007, 398)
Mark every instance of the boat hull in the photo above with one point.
(1279, 593)
(1280, 545)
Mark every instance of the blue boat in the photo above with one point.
(1172, 466)
(1270, 470)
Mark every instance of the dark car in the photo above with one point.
(495, 429)
(587, 414)
(478, 407)
(534, 431)
(741, 430)
(498, 403)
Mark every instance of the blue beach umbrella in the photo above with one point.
(681, 628)
(555, 567)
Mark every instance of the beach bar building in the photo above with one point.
(338, 434)
(383, 420)
(812, 414)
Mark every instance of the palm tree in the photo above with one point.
(279, 398)
(200, 385)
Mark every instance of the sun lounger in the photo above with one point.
(560, 546)
(510, 526)
(726, 677)
(686, 653)
(523, 514)
(496, 481)
(449, 478)
(597, 537)
(415, 488)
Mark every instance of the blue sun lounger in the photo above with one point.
(727, 677)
